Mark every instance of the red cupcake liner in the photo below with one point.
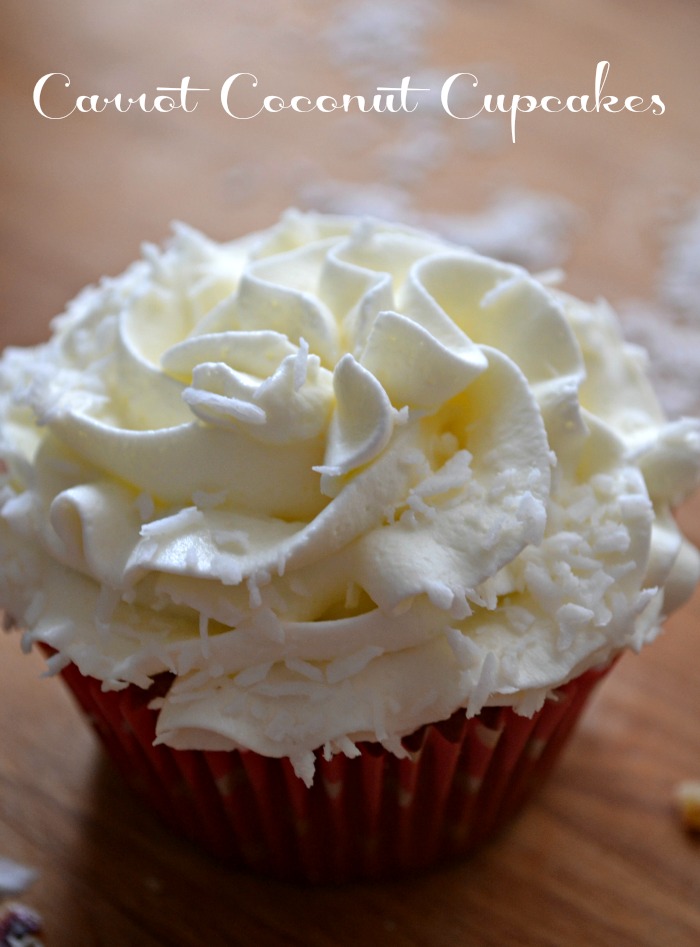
(374, 816)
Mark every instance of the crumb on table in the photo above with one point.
(688, 797)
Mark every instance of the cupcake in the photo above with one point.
(332, 530)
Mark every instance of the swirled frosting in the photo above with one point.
(340, 479)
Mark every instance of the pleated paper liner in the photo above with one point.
(375, 816)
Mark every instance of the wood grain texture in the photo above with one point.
(600, 858)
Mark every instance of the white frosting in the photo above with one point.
(340, 479)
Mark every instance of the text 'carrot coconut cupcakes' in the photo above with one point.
(331, 530)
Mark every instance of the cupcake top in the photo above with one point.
(339, 478)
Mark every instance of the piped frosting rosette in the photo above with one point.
(339, 479)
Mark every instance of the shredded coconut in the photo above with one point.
(253, 675)
(306, 669)
(571, 619)
(453, 474)
(440, 595)
(465, 650)
(218, 409)
(204, 635)
(352, 664)
(35, 609)
(484, 686)
(303, 765)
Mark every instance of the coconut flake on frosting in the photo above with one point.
(339, 479)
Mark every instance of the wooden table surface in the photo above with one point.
(600, 858)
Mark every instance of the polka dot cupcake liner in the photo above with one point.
(373, 816)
